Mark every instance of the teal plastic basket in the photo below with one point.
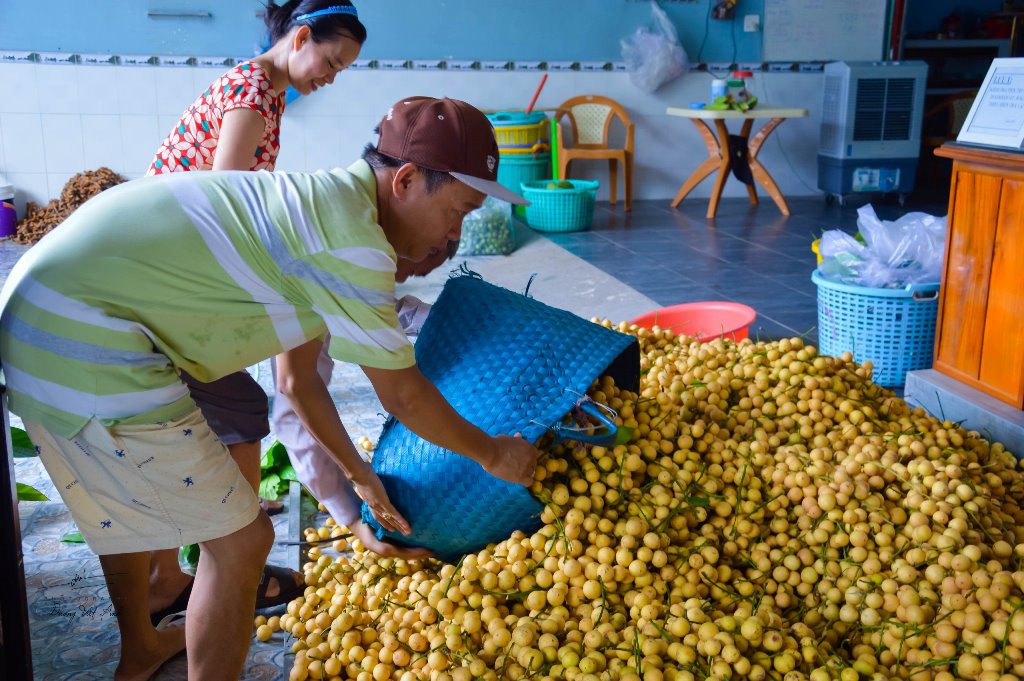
(560, 210)
(893, 328)
(514, 170)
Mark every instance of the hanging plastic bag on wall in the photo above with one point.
(653, 55)
(892, 254)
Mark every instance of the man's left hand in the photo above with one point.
(364, 533)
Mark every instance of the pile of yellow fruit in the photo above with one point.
(773, 515)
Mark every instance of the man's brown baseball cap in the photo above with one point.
(447, 135)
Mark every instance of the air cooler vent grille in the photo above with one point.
(884, 107)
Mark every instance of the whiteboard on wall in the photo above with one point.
(824, 30)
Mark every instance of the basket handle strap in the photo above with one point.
(923, 292)
(605, 415)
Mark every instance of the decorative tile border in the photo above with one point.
(96, 59)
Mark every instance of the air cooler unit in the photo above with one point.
(871, 127)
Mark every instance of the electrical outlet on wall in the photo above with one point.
(752, 23)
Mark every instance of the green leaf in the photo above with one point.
(189, 554)
(624, 435)
(30, 493)
(73, 538)
(697, 501)
(287, 472)
(23, 447)
(269, 485)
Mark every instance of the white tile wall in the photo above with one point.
(62, 119)
(23, 142)
(20, 89)
(57, 89)
(292, 156)
(176, 89)
(62, 142)
(97, 88)
(323, 142)
(137, 86)
(101, 141)
(140, 137)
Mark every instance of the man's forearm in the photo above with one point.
(421, 408)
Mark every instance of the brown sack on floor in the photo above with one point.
(39, 220)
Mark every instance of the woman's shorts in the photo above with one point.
(235, 406)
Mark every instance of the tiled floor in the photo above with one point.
(747, 254)
(628, 263)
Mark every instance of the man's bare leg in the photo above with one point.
(166, 580)
(218, 623)
(143, 648)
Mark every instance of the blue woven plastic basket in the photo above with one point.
(560, 210)
(894, 328)
(507, 363)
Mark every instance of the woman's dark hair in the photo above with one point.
(435, 178)
(326, 27)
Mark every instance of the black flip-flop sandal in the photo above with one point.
(289, 590)
(265, 504)
(165, 616)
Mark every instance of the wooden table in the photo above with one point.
(718, 150)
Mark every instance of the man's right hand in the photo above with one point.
(513, 459)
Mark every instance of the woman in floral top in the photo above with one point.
(235, 125)
(194, 141)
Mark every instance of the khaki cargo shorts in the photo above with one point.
(146, 487)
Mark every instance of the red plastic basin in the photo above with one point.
(704, 321)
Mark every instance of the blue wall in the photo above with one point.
(572, 30)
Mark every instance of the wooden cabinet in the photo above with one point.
(980, 335)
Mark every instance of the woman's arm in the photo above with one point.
(240, 134)
(298, 380)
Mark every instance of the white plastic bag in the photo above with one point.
(488, 230)
(892, 255)
(653, 55)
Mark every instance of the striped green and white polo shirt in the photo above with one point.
(207, 272)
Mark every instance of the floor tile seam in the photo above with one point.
(794, 289)
(796, 332)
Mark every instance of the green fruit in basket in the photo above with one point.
(563, 184)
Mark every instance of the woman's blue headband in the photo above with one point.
(337, 9)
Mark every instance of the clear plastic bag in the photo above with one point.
(892, 254)
(488, 230)
(654, 55)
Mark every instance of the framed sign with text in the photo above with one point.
(997, 116)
